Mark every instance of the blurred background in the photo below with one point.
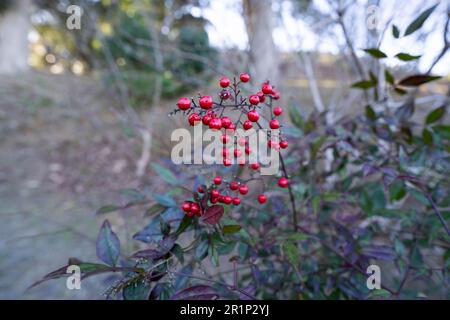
(86, 86)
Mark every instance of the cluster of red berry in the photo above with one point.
(215, 196)
(210, 113)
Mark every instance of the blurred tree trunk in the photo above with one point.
(264, 60)
(14, 27)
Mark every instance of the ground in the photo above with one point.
(63, 153)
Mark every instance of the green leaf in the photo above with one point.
(315, 202)
(87, 269)
(389, 77)
(406, 57)
(435, 115)
(202, 250)
(419, 21)
(395, 31)
(291, 252)
(416, 258)
(165, 174)
(396, 191)
(231, 229)
(296, 117)
(370, 113)
(108, 244)
(379, 293)
(442, 130)
(417, 80)
(138, 289)
(164, 200)
(363, 84)
(427, 136)
(154, 209)
(400, 91)
(298, 237)
(107, 209)
(184, 224)
(213, 255)
(376, 53)
(419, 196)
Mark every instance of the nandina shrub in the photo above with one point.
(371, 189)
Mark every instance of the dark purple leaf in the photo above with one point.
(213, 214)
(379, 252)
(108, 244)
(150, 254)
(199, 292)
(250, 289)
(368, 169)
(417, 80)
(151, 233)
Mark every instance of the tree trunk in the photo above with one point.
(264, 60)
(14, 27)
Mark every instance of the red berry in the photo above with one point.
(194, 119)
(206, 119)
(267, 88)
(236, 201)
(215, 124)
(214, 193)
(248, 150)
(226, 122)
(224, 94)
(275, 95)
(206, 102)
(186, 207)
(243, 189)
(261, 96)
(283, 182)
(274, 124)
(231, 127)
(189, 214)
(227, 162)
(237, 153)
(224, 82)
(234, 185)
(241, 162)
(253, 115)
(247, 125)
(184, 103)
(254, 99)
(262, 198)
(214, 200)
(277, 111)
(245, 77)
(255, 166)
(225, 138)
(217, 180)
(195, 208)
(200, 189)
(227, 199)
(284, 144)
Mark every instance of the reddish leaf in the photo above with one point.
(213, 214)
(417, 80)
